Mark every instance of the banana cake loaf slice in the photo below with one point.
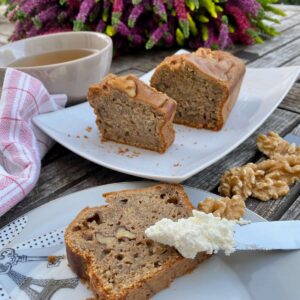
(130, 112)
(205, 85)
(107, 248)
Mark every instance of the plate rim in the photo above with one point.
(148, 182)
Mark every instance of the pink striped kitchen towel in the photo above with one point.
(22, 145)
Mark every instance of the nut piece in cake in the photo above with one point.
(130, 112)
(205, 85)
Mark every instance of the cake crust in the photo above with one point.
(138, 92)
(218, 67)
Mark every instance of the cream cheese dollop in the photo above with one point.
(200, 233)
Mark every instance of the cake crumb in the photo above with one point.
(177, 165)
(86, 137)
(134, 154)
(128, 153)
(195, 143)
(89, 129)
(78, 136)
(122, 150)
(52, 259)
(69, 134)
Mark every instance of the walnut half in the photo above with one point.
(228, 208)
(238, 181)
(124, 84)
(272, 144)
(285, 168)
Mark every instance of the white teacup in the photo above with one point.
(70, 77)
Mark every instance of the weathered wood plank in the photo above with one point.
(286, 23)
(279, 56)
(54, 153)
(288, 7)
(293, 62)
(293, 212)
(278, 41)
(292, 100)
(141, 60)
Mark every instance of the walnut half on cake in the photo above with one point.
(130, 112)
(205, 84)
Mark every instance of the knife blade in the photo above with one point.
(276, 235)
(292, 138)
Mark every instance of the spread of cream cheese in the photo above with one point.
(200, 233)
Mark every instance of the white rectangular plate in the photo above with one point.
(193, 149)
(244, 275)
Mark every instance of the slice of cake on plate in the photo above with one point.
(130, 112)
(205, 85)
(107, 246)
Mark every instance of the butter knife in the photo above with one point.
(275, 235)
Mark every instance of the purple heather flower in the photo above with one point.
(135, 13)
(73, 4)
(33, 31)
(106, 4)
(29, 6)
(159, 9)
(123, 29)
(117, 11)
(247, 6)
(49, 14)
(136, 39)
(130, 35)
(169, 39)
(195, 42)
(19, 31)
(85, 8)
(182, 16)
(100, 26)
(106, 7)
(157, 35)
(224, 39)
(242, 24)
(212, 38)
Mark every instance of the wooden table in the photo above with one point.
(63, 172)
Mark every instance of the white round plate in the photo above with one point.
(26, 274)
(193, 149)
